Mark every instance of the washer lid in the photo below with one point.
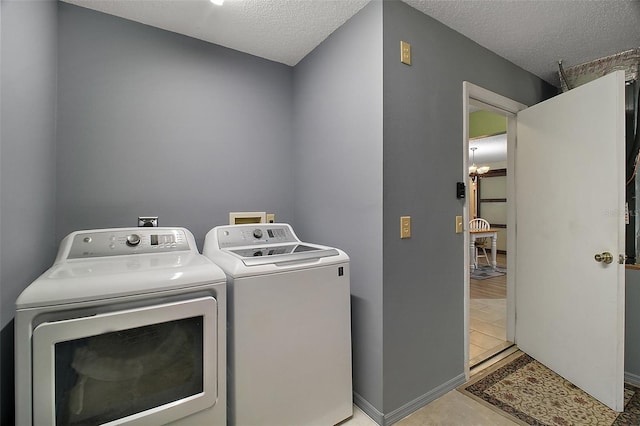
(253, 256)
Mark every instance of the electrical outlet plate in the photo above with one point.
(405, 226)
(405, 53)
(148, 221)
(271, 217)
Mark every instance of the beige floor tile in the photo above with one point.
(359, 419)
(487, 315)
(495, 303)
(455, 409)
(484, 340)
(502, 322)
(478, 303)
(487, 328)
(495, 329)
(475, 351)
(489, 303)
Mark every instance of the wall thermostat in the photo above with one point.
(460, 190)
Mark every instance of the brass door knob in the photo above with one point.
(605, 257)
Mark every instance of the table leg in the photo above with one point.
(494, 251)
(472, 253)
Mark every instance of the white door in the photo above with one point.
(569, 207)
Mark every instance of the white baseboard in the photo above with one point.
(632, 379)
(408, 408)
(412, 406)
(368, 409)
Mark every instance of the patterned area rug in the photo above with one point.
(482, 272)
(530, 393)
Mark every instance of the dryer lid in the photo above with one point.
(120, 276)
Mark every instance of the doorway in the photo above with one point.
(488, 208)
(489, 305)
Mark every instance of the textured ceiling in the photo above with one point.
(280, 30)
(533, 34)
(536, 34)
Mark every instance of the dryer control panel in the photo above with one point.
(255, 233)
(123, 241)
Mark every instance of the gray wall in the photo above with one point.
(154, 123)
(338, 173)
(423, 281)
(27, 166)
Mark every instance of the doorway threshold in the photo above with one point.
(497, 357)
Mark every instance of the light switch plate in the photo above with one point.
(405, 226)
(459, 225)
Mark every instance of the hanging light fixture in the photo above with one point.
(475, 171)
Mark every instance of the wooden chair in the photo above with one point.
(481, 243)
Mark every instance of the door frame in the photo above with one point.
(478, 96)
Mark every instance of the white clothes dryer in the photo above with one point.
(289, 335)
(127, 327)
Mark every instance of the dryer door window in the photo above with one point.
(128, 366)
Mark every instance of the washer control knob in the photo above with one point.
(257, 233)
(133, 240)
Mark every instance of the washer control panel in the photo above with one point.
(258, 233)
(127, 241)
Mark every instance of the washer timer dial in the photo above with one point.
(133, 240)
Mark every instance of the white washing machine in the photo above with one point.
(127, 327)
(289, 335)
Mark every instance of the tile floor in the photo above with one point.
(487, 328)
(488, 315)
